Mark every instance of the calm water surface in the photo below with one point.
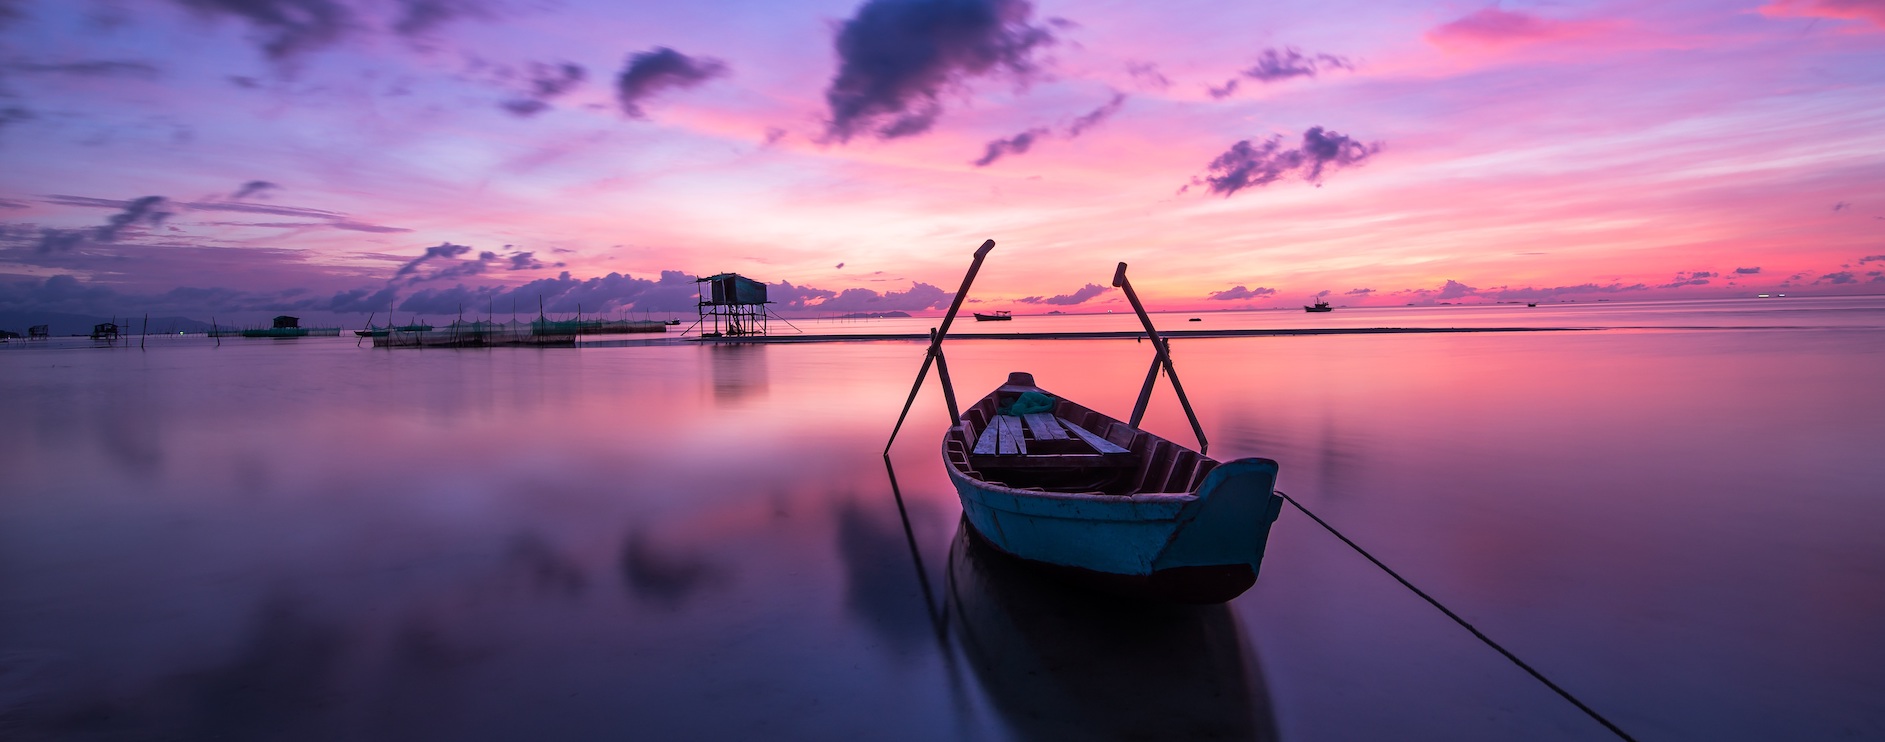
(1677, 518)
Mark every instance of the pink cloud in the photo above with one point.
(1492, 28)
(1845, 10)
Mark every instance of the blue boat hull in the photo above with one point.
(1202, 546)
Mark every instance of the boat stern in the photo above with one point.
(1229, 522)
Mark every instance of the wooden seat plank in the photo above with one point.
(1045, 427)
(1013, 440)
(988, 442)
(1099, 444)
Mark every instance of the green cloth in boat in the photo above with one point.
(1029, 403)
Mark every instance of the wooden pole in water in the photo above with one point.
(942, 373)
(146, 333)
(1162, 358)
(934, 354)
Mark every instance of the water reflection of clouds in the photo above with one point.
(465, 530)
(666, 576)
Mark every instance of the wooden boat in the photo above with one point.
(1098, 500)
(1000, 316)
(1108, 504)
(1319, 306)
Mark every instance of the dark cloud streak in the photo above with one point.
(1090, 120)
(252, 188)
(90, 68)
(291, 27)
(547, 81)
(651, 72)
(1014, 145)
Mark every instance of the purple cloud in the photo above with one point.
(1148, 76)
(547, 81)
(289, 27)
(1246, 165)
(1239, 292)
(1273, 65)
(523, 261)
(89, 68)
(651, 72)
(252, 188)
(441, 251)
(1014, 145)
(919, 296)
(1689, 278)
(1455, 290)
(1079, 296)
(1747, 271)
(147, 210)
(897, 57)
(1090, 120)
(419, 17)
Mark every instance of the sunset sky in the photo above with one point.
(334, 156)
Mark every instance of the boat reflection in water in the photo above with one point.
(1060, 662)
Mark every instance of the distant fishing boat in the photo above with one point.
(1321, 305)
(371, 331)
(1096, 500)
(1001, 316)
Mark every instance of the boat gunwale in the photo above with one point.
(959, 465)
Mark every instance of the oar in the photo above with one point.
(1162, 358)
(934, 354)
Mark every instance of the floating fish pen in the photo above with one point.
(482, 334)
(284, 327)
(601, 326)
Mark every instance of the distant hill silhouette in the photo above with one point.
(66, 323)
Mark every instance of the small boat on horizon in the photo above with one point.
(1321, 305)
(997, 316)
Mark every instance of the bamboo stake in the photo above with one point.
(934, 354)
(1162, 358)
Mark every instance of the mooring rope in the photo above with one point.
(1462, 622)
